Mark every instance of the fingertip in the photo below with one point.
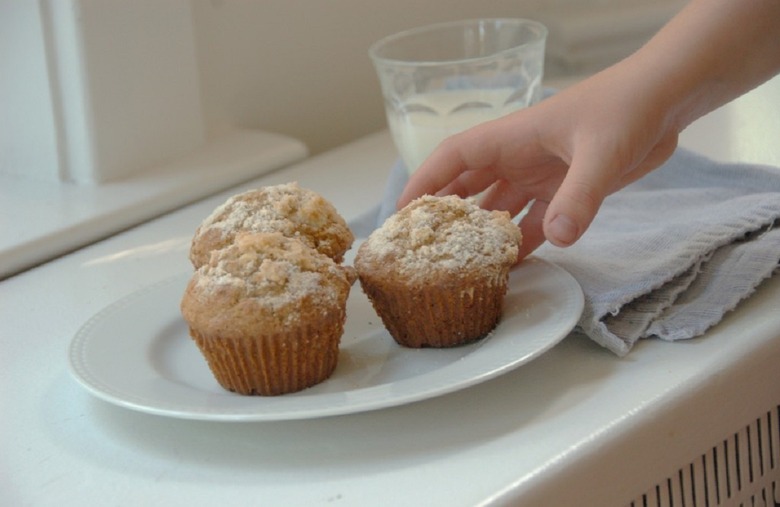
(527, 248)
(531, 228)
(576, 202)
(408, 194)
(562, 231)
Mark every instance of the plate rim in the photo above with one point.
(101, 389)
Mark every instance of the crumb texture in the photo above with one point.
(288, 209)
(442, 234)
(264, 281)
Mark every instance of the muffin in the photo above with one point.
(267, 312)
(436, 272)
(289, 209)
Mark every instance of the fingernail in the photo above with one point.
(563, 231)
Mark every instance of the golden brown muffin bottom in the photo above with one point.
(274, 364)
(437, 315)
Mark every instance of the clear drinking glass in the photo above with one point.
(441, 79)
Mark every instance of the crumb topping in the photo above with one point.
(278, 272)
(289, 209)
(442, 233)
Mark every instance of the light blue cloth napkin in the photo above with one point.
(667, 256)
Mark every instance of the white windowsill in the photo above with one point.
(40, 220)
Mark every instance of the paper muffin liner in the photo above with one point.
(276, 363)
(438, 316)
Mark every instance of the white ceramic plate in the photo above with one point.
(137, 353)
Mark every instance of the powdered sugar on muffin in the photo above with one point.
(443, 234)
(288, 209)
(280, 277)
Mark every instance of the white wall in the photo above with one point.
(95, 90)
(28, 139)
(301, 67)
(107, 103)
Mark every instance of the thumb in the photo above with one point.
(576, 202)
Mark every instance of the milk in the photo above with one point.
(426, 119)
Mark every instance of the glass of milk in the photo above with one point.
(441, 79)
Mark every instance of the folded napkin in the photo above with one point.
(670, 254)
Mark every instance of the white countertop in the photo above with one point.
(578, 426)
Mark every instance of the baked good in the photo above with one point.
(436, 272)
(289, 209)
(268, 312)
